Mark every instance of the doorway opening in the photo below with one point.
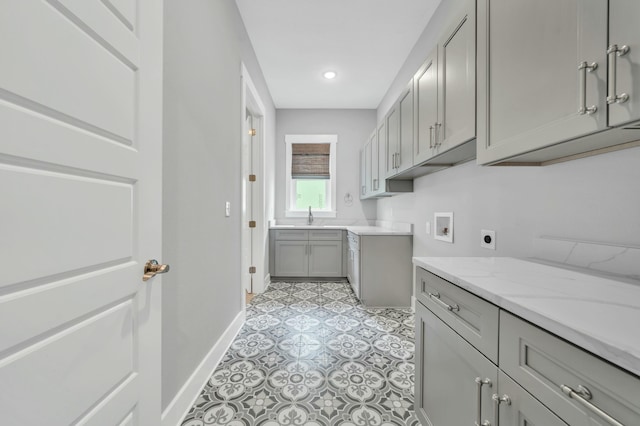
(254, 230)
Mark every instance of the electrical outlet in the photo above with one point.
(227, 209)
(488, 239)
(428, 228)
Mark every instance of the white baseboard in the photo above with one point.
(184, 399)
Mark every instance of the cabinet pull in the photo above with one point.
(479, 383)
(431, 137)
(583, 67)
(437, 136)
(582, 395)
(497, 400)
(436, 298)
(612, 53)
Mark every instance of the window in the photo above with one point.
(311, 175)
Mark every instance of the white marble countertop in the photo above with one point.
(358, 230)
(600, 315)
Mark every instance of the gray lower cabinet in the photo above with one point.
(325, 258)
(307, 253)
(446, 392)
(536, 379)
(353, 262)
(292, 259)
(516, 407)
(382, 272)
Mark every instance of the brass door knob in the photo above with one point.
(152, 267)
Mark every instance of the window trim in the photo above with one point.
(332, 140)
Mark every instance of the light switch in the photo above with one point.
(428, 228)
(227, 209)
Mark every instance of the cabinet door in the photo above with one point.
(375, 171)
(624, 31)
(457, 81)
(426, 108)
(405, 139)
(381, 156)
(393, 134)
(325, 259)
(446, 368)
(292, 259)
(367, 167)
(529, 87)
(363, 176)
(350, 265)
(355, 284)
(522, 409)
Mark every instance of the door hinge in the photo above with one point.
(252, 224)
(252, 269)
(252, 132)
(252, 178)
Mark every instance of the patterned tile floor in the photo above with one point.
(311, 354)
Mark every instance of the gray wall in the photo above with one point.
(204, 45)
(353, 127)
(592, 199)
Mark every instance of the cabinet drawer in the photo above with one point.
(470, 316)
(542, 363)
(322, 235)
(291, 235)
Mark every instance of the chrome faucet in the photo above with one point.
(310, 218)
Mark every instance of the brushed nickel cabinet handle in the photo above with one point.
(436, 298)
(479, 383)
(583, 67)
(431, 136)
(582, 395)
(613, 52)
(497, 400)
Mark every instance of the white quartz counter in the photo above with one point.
(598, 314)
(358, 230)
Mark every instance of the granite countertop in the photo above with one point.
(358, 230)
(600, 315)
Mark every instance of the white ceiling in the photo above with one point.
(364, 41)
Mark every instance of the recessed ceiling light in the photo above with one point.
(330, 75)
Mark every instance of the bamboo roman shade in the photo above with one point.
(310, 160)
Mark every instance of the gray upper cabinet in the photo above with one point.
(445, 97)
(379, 158)
(531, 89)
(624, 63)
(399, 123)
(545, 97)
(375, 166)
(363, 173)
(457, 82)
(426, 108)
(393, 135)
(404, 150)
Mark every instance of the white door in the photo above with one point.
(80, 191)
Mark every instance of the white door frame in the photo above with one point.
(251, 102)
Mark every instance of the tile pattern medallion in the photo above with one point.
(311, 354)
